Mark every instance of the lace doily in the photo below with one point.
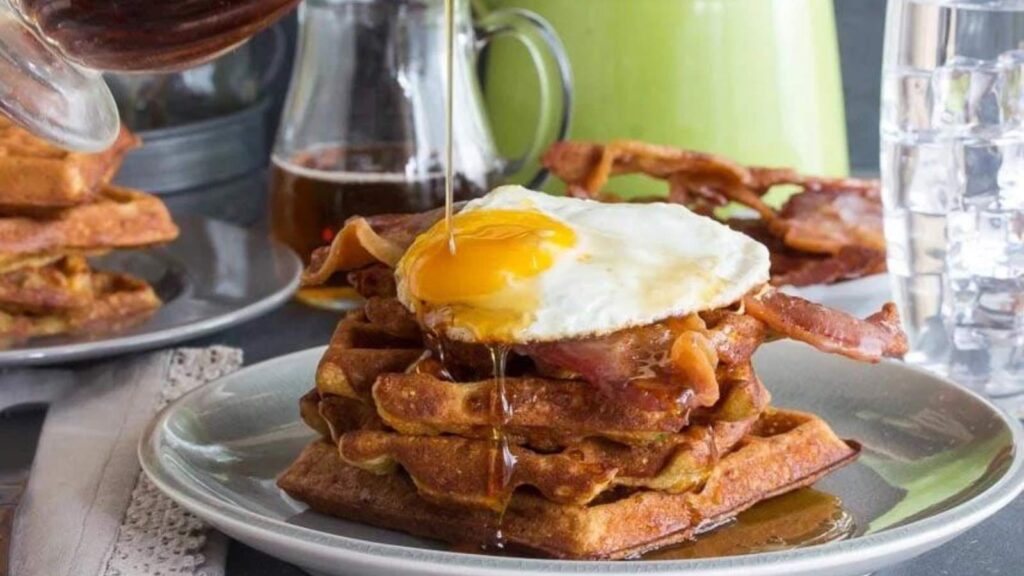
(157, 537)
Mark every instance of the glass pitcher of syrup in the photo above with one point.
(52, 52)
(363, 130)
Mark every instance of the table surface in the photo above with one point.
(995, 547)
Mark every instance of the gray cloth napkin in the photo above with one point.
(88, 510)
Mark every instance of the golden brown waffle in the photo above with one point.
(63, 285)
(367, 362)
(119, 301)
(455, 470)
(409, 441)
(36, 175)
(784, 451)
(544, 412)
(117, 218)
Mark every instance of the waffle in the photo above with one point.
(119, 301)
(604, 446)
(38, 176)
(403, 448)
(784, 451)
(366, 362)
(60, 286)
(117, 218)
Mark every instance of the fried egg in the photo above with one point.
(531, 267)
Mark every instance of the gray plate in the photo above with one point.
(215, 275)
(937, 460)
(861, 297)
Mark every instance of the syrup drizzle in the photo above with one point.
(503, 462)
(449, 122)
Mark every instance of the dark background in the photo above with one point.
(860, 24)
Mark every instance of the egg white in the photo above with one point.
(631, 265)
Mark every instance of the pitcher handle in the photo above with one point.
(553, 70)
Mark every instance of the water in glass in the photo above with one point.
(952, 163)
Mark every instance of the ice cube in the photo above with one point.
(1010, 178)
(987, 244)
(923, 176)
(1012, 63)
(967, 94)
(906, 100)
(983, 161)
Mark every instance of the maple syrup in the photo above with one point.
(502, 461)
(135, 35)
(314, 192)
(804, 517)
(449, 119)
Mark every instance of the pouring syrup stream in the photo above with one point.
(503, 461)
(449, 122)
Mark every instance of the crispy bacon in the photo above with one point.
(391, 316)
(830, 330)
(667, 363)
(365, 241)
(832, 217)
(376, 280)
(850, 263)
(791, 267)
(735, 336)
(587, 166)
(609, 362)
(824, 221)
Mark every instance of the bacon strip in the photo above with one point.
(825, 221)
(664, 365)
(830, 330)
(850, 263)
(735, 336)
(791, 267)
(829, 216)
(364, 241)
(587, 166)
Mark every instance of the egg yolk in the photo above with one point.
(487, 285)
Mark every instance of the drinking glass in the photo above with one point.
(52, 52)
(952, 163)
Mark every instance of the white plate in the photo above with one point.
(937, 460)
(215, 275)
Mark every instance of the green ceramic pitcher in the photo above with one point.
(757, 80)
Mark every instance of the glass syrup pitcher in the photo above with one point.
(363, 128)
(52, 53)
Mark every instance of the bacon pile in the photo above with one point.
(704, 355)
(831, 231)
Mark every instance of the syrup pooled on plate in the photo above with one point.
(804, 517)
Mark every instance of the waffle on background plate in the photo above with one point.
(57, 208)
(407, 422)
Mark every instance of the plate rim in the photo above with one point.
(123, 344)
(871, 547)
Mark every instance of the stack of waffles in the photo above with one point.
(416, 437)
(57, 208)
